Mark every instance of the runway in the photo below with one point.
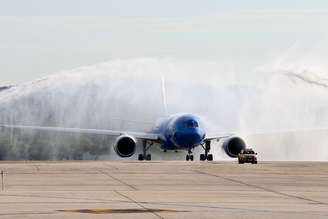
(164, 189)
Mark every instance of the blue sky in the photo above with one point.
(41, 37)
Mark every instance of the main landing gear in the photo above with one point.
(207, 149)
(145, 148)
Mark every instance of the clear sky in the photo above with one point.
(41, 37)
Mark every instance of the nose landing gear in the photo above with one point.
(207, 149)
(189, 156)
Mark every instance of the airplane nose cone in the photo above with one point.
(187, 139)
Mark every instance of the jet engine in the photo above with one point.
(125, 146)
(233, 146)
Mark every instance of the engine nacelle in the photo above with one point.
(125, 146)
(233, 146)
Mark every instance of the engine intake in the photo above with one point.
(233, 146)
(125, 146)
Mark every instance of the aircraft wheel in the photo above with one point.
(191, 157)
(187, 157)
(140, 157)
(202, 157)
(148, 157)
(210, 157)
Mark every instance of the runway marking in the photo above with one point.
(174, 204)
(120, 181)
(263, 188)
(111, 166)
(119, 211)
(105, 211)
(140, 205)
(90, 200)
(184, 204)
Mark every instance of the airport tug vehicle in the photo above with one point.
(247, 155)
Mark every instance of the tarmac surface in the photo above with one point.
(163, 189)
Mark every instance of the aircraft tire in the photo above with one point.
(148, 157)
(210, 157)
(140, 157)
(191, 157)
(187, 157)
(202, 157)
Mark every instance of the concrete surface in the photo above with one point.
(164, 189)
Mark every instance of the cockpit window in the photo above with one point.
(191, 124)
(195, 124)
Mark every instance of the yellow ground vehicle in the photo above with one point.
(247, 156)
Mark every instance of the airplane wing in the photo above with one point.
(220, 136)
(139, 135)
(217, 137)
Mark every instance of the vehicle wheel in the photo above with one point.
(187, 157)
(210, 157)
(140, 157)
(255, 162)
(202, 157)
(191, 157)
(148, 157)
(240, 161)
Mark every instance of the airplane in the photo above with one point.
(176, 132)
